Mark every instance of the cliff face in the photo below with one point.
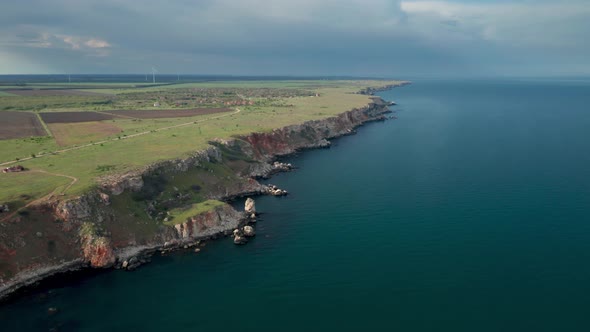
(128, 211)
(311, 134)
(216, 221)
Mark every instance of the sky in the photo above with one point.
(381, 38)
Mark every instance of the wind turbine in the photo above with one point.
(154, 71)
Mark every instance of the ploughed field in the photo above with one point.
(71, 117)
(20, 124)
(161, 114)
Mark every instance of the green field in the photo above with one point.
(180, 215)
(119, 153)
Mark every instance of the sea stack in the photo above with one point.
(250, 206)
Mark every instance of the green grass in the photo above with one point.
(24, 147)
(6, 94)
(38, 103)
(180, 215)
(28, 186)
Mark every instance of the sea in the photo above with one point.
(468, 212)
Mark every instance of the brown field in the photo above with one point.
(19, 125)
(67, 134)
(159, 114)
(52, 92)
(71, 117)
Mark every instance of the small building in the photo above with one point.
(156, 104)
(13, 169)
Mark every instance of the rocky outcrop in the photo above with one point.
(250, 206)
(216, 221)
(99, 252)
(90, 206)
(97, 249)
(240, 239)
(276, 191)
(241, 235)
(248, 231)
(131, 183)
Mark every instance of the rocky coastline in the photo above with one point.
(91, 219)
(372, 91)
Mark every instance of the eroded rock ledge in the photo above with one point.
(104, 227)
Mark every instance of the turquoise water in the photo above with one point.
(468, 213)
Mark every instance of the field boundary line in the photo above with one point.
(45, 126)
(117, 115)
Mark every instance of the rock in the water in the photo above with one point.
(250, 206)
(240, 239)
(134, 263)
(281, 167)
(249, 231)
(197, 250)
(276, 191)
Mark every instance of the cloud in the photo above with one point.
(540, 24)
(86, 45)
(97, 43)
(368, 37)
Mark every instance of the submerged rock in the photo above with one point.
(239, 239)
